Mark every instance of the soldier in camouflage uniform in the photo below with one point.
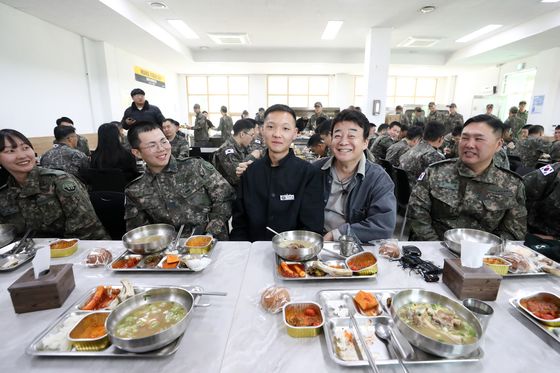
(200, 127)
(418, 117)
(235, 150)
(542, 187)
(470, 192)
(399, 116)
(226, 124)
(555, 152)
(522, 113)
(179, 145)
(383, 142)
(450, 146)
(514, 122)
(312, 123)
(396, 150)
(434, 115)
(63, 155)
(533, 147)
(50, 202)
(258, 141)
(83, 144)
(453, 120)
(175, 191)
(415, 161)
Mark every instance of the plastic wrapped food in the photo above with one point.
(519, 264)
(390, 249)
(274, 298)
(99, 257)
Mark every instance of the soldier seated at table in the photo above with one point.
(395, 151)
(533, 147)
(357, 193)
(542, 187)
(383, 142)
(64, 155)
(235, 150)
(317, 146)
(50, 202)
(185, 191)
(470, 192)
(179, 145)
(279, 190)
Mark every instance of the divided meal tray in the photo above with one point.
(337, 321)
(35, 347)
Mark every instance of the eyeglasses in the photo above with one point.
(250, 134)
(154, 146)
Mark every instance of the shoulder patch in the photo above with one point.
(230, 151)
(69, 187)
(421, 177)
(546, 170)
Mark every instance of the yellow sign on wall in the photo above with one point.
(149, 77)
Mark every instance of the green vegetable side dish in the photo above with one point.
(150, 319)
(438, 322)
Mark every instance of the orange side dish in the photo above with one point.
(366, 302)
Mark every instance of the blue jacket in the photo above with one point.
(371, 206)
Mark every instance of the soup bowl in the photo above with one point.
(427, 343)
(155, 341)
(149, 239)
(314, 240)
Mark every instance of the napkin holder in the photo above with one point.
(480, 283)
(48, 291)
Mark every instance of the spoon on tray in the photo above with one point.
(384, 332)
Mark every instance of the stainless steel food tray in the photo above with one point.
(34, 347)
(552, 331)
(22, 258)
(324, 256)
(332, 300)
(156, 269)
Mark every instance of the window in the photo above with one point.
(297, 90)
(518, 86)
(401, 90)
(214, 91)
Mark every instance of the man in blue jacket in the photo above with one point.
(357, 193)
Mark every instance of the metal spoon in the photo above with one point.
(358, 333)
(334, 253)
(384, 332)
(177, 238)
(273, 231)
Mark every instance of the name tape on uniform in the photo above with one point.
(287, 197)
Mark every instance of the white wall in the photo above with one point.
(473, 83)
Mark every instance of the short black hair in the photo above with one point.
(526, 127)
(414, 132)
(137, 91)
(513, 110)
(404, 128)
(557, 127)
(456, 131)
(399, 107)
(279, 107)
(372, 125)
(536, 129)
(382, 126)
(62, 132)
(314, 140)
(61, 120)
(261, 109)
(354, 116)
(433, 131)
(395, 123)
(320, 120)
(495, 123)
(324, 128)
(177, 124)
(243, 125)
(138, 128)
(223, 109)
(10, 136)
(418, 109)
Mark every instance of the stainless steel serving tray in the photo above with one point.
(552, 331)
(156, 269)
(22, 258)
(34, 347)
(323, 256)
(333, 305)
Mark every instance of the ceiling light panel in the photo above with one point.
(183, 28)
(229, 38)
(331, 30)
(478, 33)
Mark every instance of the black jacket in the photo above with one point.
(149, 113)
(287, 197)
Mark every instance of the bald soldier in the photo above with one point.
(185, 191)
(470, 192)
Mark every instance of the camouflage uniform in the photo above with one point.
(179, 147)
(436, 116)
(257, 144)
(452, 121)
(543, 200)
(501, 158)
(415, 120)
(523, 116)
(83, 145)
(450, 143)
(226, 127)
(415, 161)
(53, 204)
(187, 191)
(62, 157)
(380, 146)
(395, 151)
(555, 151)
(397, 117)
(200, 128)
(312, 123)
(449, 195)
(227, 158)
(516, 124)
(511, 147)
(531, 149)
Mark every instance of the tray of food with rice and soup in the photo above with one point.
(120, 321)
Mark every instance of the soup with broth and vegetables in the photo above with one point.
(150, 319)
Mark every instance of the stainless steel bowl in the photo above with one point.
(427, 344)
(165, 233)
(453, 237)
(7, 234)
(153, 342)
(306, 253)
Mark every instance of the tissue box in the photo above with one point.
(48, 291)
(480, 283)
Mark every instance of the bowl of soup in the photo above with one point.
(435, 323)
(150, 320)
(297, 245)
(149, 239)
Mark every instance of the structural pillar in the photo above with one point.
(376, 73)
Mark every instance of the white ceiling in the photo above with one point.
(290, 30)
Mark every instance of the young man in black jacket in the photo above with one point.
(279, 190)
(141, 111)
